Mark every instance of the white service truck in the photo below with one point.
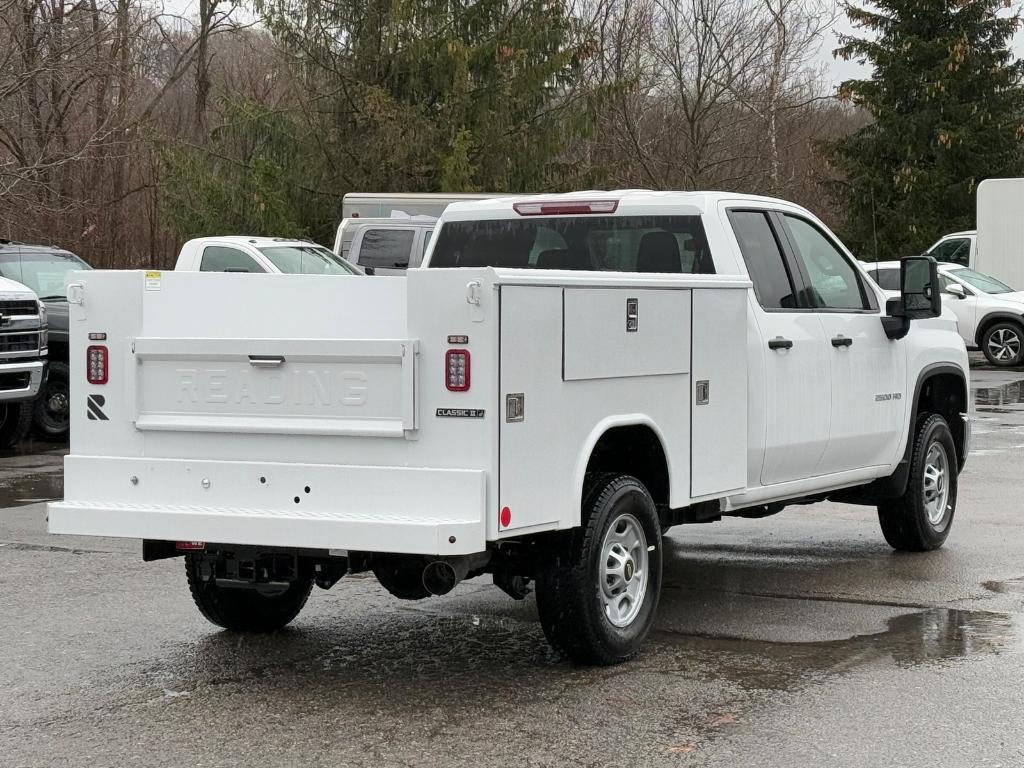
(996, 247)
(565, 378)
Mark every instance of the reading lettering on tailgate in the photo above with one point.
(300, 387)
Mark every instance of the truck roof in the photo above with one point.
(254, 240)
(695, 202)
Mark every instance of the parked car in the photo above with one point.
(44, 269)
(236, 253)
(385, 246)
(23, 347)
(989, 313)
(565, 377)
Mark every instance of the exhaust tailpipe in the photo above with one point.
(441, 576)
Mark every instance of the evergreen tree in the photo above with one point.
(947, 107)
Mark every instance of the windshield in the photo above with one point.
(45, 273)
(308, 260)
(983, 283)
(603, 243)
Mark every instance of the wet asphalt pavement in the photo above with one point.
(797, 640)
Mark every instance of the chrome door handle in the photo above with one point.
(842, 341)
(268, 361)
(779, 343)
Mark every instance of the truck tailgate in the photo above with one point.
(283, 410)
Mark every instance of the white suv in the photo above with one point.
(989, 313)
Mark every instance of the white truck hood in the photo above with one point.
(12, 290)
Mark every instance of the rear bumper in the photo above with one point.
(31, 371)
(373, 509)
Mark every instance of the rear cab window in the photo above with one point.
(654, 244)
(385, 248)
(221, 258)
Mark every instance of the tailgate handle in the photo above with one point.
(266, 361)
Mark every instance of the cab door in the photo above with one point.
(867, 369)
(789, 396)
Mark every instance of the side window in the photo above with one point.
(955, 251)
(219, 258)
(888, 279)
(386, 248)
(426, 242)
(833, 280)
(763, 257)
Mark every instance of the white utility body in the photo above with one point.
(566, 376)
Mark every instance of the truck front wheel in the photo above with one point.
(52, 409)
(15, 421)
(598, 593)
(244, 609)
(920, 520)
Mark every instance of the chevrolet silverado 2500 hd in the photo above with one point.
(23, 347)
(565, 378)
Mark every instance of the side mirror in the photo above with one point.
(369, 270)
(957, 290)
(920, 289)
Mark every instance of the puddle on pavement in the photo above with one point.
(934, 636)
(18, 490)
(1008, 587)
(1008, 394)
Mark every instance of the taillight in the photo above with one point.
(564, 207)
(96, 364)
(456, 370)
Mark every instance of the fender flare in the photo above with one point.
(994, 317)
(593, 438)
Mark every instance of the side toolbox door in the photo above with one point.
(868, 370)
(789, 393)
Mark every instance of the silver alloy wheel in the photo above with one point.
(1004, 344)
(936, 483)
(624, 570)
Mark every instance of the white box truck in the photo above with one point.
(996, 247)
(565, 378)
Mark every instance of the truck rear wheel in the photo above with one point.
(15, 421)
(920, 520)
(243, 609)
(598, 594)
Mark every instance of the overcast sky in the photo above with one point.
(836, 70)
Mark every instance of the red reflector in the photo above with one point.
(96, 364)
(456, 370)
(189, 546)
(505, 518)
(565, 207)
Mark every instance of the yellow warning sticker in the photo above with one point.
(152, 281)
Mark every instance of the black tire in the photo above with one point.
(570, 592)
(1003, 343)
(15, 422)
(244, 610)
(52, 413)
(401, 576)
(905, 521)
